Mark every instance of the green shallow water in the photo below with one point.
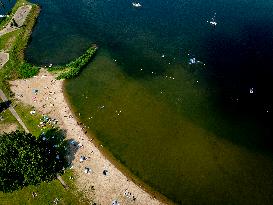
(159, 128)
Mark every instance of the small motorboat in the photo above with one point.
(137, 5)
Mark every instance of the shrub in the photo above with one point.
(27, 70)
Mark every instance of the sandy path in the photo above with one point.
(7, 128)
(4, 57)
(19, 17)
(103, 189)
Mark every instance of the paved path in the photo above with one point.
(13, 111)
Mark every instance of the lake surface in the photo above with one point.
(199, 133)
(7, 7)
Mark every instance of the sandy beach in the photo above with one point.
(103, 183)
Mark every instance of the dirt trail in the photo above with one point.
(4, 58)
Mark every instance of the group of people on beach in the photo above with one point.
(129, 195)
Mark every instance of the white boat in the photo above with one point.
(137, 5)
(192, 61)
(214, 23)
(2, 16)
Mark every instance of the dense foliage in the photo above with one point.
(27, 70)
(73, 68)
(27, 160)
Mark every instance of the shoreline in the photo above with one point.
(122, 168)
(117, 183)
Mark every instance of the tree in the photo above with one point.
(27, 160)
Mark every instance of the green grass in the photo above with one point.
(46, 193)
(7, 40)
(31, 121)
(23, 110)
(8, 118)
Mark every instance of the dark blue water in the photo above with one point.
(6, 7)
(235, 74)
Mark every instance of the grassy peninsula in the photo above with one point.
(74, 68)
(15, 44)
